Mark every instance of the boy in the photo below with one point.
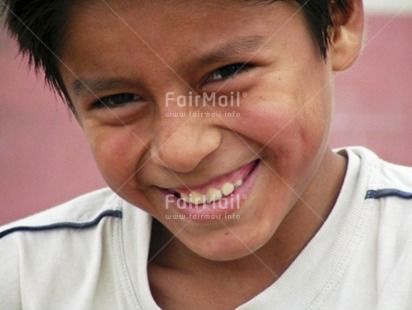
(209, 121)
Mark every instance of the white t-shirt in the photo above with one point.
(91, 253)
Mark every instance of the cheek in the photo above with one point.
(116, 152)
(293, 135)
(293, 111)
(270, 120)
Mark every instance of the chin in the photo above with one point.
(230, 247)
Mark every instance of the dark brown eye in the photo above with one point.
(227, 72)
(116, 101)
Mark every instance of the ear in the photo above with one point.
(346, 37)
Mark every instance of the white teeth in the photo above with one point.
(238, 183)
(197, 198)
(212, 193)
(185, 197)
(227, 189)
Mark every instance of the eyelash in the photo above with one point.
(115, 101)
(228, 72)
(120, 100)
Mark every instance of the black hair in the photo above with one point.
(40, 26)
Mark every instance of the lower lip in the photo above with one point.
(218, 210)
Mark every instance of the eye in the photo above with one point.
(227, 72)
(116, 101)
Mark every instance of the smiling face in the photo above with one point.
(222, 183)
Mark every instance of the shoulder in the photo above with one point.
(383, 179)
(383, 190)
(387, 180)
(389, 198)
(82, 212)
(80, 217)
(68, 247)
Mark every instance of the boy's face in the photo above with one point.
(275, 141)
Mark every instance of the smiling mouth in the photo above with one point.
(216, 190)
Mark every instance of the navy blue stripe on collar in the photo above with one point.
(66, 225)
(388, 192)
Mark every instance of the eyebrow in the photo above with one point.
(84, 86)
(237, 46)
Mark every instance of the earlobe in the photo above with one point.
(346, 39)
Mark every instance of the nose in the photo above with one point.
(182, 141)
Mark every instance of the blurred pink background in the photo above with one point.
(44, 159)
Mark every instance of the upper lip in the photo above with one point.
(240, 173)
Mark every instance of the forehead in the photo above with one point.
(164, 22)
